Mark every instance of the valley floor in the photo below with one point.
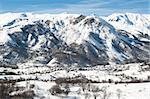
(106, 91)
(130, 81)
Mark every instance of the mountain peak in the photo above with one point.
(74, 38)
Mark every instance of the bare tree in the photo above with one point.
(87, 95)
(104, 93)
(67, 89)
(56, 90)
(119, 92)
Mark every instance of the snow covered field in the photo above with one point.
(113, 91)
(95, 91)
(130, 81)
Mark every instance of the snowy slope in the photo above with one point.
(133, 23)
(74, 39)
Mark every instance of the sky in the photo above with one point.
(88, 7)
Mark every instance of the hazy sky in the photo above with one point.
(99, 7)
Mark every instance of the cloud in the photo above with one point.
(99, 7)
(103, 7)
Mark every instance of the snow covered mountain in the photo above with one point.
(72, 39)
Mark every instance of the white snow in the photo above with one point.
(79, 33)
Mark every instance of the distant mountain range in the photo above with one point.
(73, 39)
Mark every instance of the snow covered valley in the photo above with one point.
(73, 56)
(130, 81)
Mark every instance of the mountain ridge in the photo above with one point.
(74, 39)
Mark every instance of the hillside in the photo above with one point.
(72, 39)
